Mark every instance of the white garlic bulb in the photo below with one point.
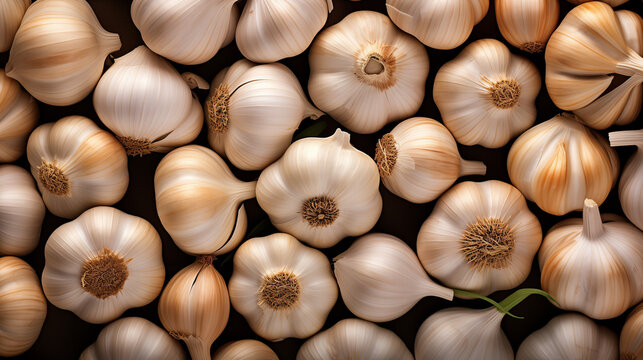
(438, 24)
(11, 13)
(570, 336)
(381, 278)
(480, 237)
(631, 341)
(198, 200)
(559, 163)
(77, 165)
(18, 116)
(630, 188)
(376, 77)
(321, 191)
(355, 339)
(21, 211)
(102, 264)
(59, 51)
(133, 338)
(527, 25)
(252, 112)
(22, 306)
(147, 104)
(419, 160)
(592, 266)
(487, 95)
(282, 288)
(245, 350)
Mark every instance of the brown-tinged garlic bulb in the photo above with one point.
(527, 25)
(630, 188)
(245, 350)
(11, 13)
(631, 342)
(18, 116)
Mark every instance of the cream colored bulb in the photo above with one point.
(527, 25)
(631, 341)
(630, 187)
(18, 116)
(245, 350)
(11, 13)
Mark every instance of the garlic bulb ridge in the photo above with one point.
(527, 25)
(245, 350)
(18, 116)
(631, 341)
(630, 188)
(11, 13)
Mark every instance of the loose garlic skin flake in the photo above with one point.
(245, 350)
(527, 25)
(11, 13)
(102, 264)
(631, 341)
(630, 188)
(18, 116)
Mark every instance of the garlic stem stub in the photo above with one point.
(245, 350)
(18, 116)
(527, 25)
(11, 13)
(630, 187)
(631, 340)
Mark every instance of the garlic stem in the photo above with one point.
(198, 350)
(511, 301)
(592, 223)
(626, 138)
(632, 67)
(470, 167)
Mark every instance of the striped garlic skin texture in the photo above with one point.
(245, 350)
(365, 72)
(133, 338)
(18, 116)
(355, 339)
(11, 12)
(631, 340)
(570, 336)
(21, 211)
(59, 51)
(426, 20)
(527, 25)
(559, 163)
(471, 94)
(22, 306)
(199, 201)
(630, 187)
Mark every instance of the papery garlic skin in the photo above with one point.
(559, 163)
(321, 191)
(199, 200)
(102, 264)
(527, 25)
(381, 278)
(252, 112)
(22, 306)
(487, 95)
(283, 288)
(18, 116)
(365, 73)
(570, 336)
(21, 211)
(355, 339)
(59, 51)
(630, 187)
(11, 13)
(245, 350)
(631, 340)
(133, 338)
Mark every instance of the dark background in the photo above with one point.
(65, 336)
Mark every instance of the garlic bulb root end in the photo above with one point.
(53, 179)
(504, 93)
(135, 147)
(105, 274)
(319, 211)
(488, 243)
(386, 154)
(216, 106)
(279, 291)
(533, 47)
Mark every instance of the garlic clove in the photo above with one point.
(18, 116)
(527, 25)
(11, 13)
(630, 188)
(631, 341)
(186, 131)
(245, 350)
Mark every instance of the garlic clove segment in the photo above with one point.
(252, 112)
(376, 77)
(630, 187)
(283, 288)
(631, 341)
(77, 165)
(18, 116)
(245, 350)
(11, 13)
(199, 200)
(321, 190)
(527, 25)
(487, 95)
(59, 51)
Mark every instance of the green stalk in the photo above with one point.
(313, 130)
(510, 301)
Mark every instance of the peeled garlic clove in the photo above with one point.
(18, 116)
(59, 51)
(527, 25)
(252, 112)
(133, 338)
(11, 13)
(570, 336)
(560, 162)
(77, 165)
(426, 20)
(22, 306)
(376, 78)
(21, 211)
(630, 188)
(487, 95)
(144, 100)
(321, 190)
(194, 307)
(198, 200)
(355, 339)
(631, 342)
(282, 288)
(245, 350)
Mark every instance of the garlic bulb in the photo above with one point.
(102, 264)
(354, 339)
(77, 165)
(59, 51)
(487, 95)
(133, 338)
(252, 112)
(11, 13)
(21, 211)
(18, 116)
(592, 266)
(198, 200)
(282, 288)
(527, 25)
(438, 24)
(419, 160)
(321, 190)
(558, 163)
(376, 77)
(22, 306)
(194, 307)
(480, 237)
(269, 31)
(147, 104)
(610, 2)
(245, 350)
(630, 188)
(631, 342)
(570, 336)
(381, 278)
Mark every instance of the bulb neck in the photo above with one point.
(376, 66)
(469, 167)
(592, 222)
(632, 67)
(626, 138)
(197, 348)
